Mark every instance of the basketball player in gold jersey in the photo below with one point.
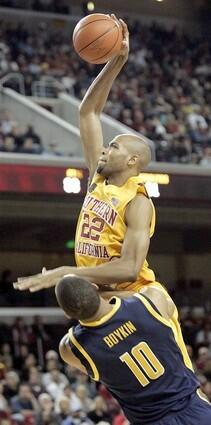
(117, 218)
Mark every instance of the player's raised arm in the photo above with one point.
(94, 102)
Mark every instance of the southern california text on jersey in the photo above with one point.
(101, 226)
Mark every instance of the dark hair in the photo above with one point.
(77, 297)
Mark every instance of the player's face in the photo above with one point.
(114, 158)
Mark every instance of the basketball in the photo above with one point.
(97, 37)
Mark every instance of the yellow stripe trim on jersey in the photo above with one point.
(176, 329)
(152, 311)
(96, 375)
(202, 395)
(106, 317)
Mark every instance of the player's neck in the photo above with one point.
(103, 309)
(118, 179)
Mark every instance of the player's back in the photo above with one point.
(133, 352)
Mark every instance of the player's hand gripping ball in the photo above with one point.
(98, 37)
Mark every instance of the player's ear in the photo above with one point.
(133, 160)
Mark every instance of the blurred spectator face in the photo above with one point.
(24, 351)
(64, 405)
(34, 376)
(55, 375)
(6, 349)
(82, 378)
(28, 143)
(25, 392)
(30, 361)
(100, 404)
(9, 144)
(81, 392)
(12, 380)
(8, 362)
(51, 365)
(207, 152)
(51, 355)
(45, 402)
(68, 391)
(17, 131)
(203, 353)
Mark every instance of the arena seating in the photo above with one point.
(14, 138)
(163, 92)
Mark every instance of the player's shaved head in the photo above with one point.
(77, 297)
(137, 145)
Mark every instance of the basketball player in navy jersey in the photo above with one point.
(130, 346)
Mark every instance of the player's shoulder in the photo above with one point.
(139, 205)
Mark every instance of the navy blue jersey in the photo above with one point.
(133, 351)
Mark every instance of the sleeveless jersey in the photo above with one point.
(133, 351)
(101, 226)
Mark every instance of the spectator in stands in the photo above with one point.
(52, 355)
(202, 358)
(30, 147)
(65, 416)
(11, 385)
(21, 351)
(3, 401)
(6, 122)
(9, 145)
(24, 403)
(57, 383)
(29, 362)
(47, 416)
(22, 336)
(99, 411)
(35, 381)
(83, 395)
(5, 350)
(30, 132)
(203, 336)
(206, 160)
(74, 401)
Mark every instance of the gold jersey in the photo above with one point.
(101, 226)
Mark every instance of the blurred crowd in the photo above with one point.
(14, 138)
(37, 389)
(61, 6)
(163, 91)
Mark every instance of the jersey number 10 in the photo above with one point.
(143, 363)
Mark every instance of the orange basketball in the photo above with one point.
(97, 37)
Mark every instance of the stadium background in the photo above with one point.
(164, 93)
